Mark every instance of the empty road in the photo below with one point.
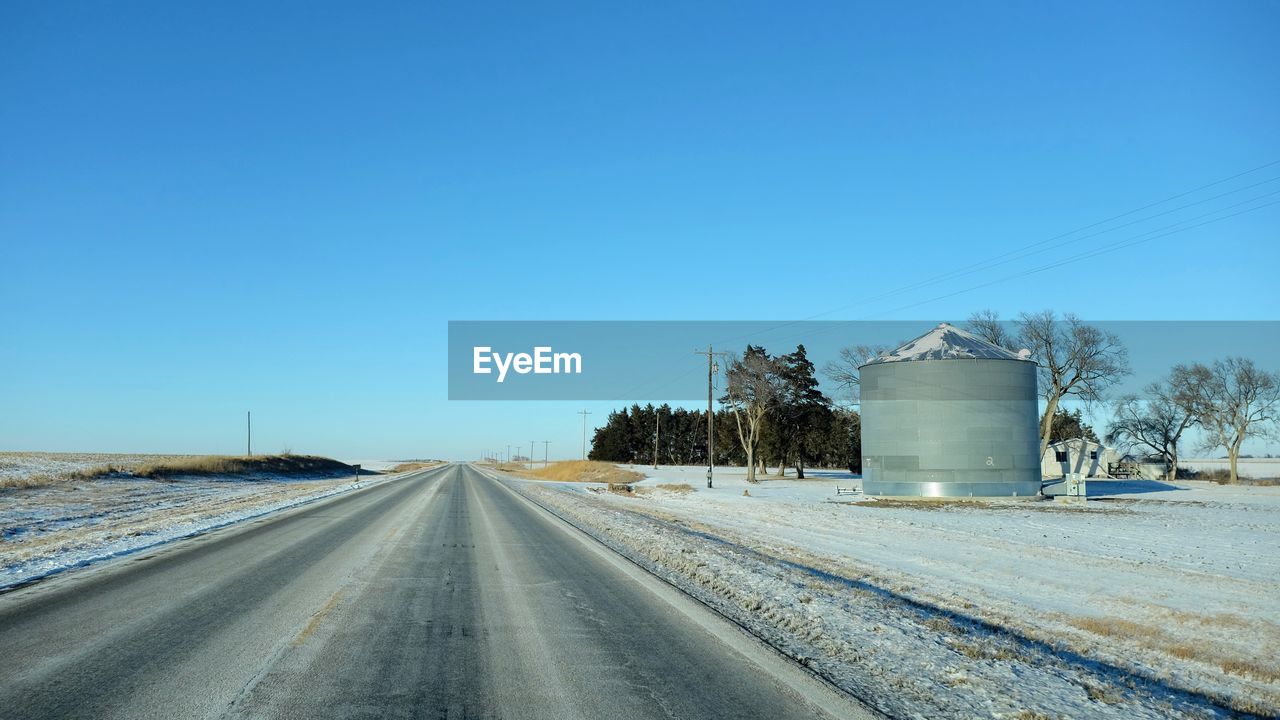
(439, 595)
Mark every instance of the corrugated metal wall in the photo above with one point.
(950, 428)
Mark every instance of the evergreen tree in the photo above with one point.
(1069, 424)
(801, 412)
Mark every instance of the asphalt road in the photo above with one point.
(441, 595)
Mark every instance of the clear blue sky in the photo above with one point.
(229, 206)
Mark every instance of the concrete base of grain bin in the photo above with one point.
(1029, 490)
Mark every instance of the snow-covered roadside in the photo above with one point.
(48, 530)
(21, 466)
(960, 611)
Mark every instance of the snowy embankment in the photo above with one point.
(49, 529)
(1153, 602)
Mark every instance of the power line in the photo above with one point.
(977, 266)
(1136, 240)
(1016, 255)
(1146, 236)
(1140, 238)
(1026, 251)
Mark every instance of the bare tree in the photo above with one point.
(1234, 400)
(1155, 420)
(843, 371)
(754, 387)
(1074, 358)
(986, 324)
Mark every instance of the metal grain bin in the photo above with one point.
(950, 415)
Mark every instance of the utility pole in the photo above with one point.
(531, 443)
(583, 412)
(546, 451)
(655, 439)
(508, 453)
(711, 420)
(712, 368)
(248, 438)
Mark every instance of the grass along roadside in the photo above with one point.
(275, 466)
(411, 465)
(583, 471)
(68, 523)
(43, 469)
(895, 644)
(37, 470)
(71, 524)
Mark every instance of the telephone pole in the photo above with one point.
(712, 368)
(531, 444)
(655, 439)
(546, 451)
(583, 412)
(248, 437)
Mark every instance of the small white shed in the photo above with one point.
(1078, 455)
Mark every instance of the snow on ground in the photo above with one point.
(1149, 600)
(375, 465)
(18, 466)
(49, 529)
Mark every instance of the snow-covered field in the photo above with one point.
(17, 468)
(1149, 600)
(71, 523)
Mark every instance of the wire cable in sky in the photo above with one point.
(1021, 251)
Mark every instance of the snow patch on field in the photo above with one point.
(17, 466)
(1154, 601)
(50, 529)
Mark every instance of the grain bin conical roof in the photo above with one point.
(947, 342)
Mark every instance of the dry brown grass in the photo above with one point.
(1221, 619)
(171, 466)
(940, 625)
(591, 471)
(1154, 637)
(511, 467)
(274, 465)
(33, 481)
(19, 470)
(1223, 477)
(984, 651)
(414, 465)
(1182, 651)
(1117, 627)
(1238, 666)
(1103, 694)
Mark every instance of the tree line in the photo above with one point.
(773, 412)
(1230, 400)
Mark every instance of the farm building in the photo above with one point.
(950, 415)
(1078, 455)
